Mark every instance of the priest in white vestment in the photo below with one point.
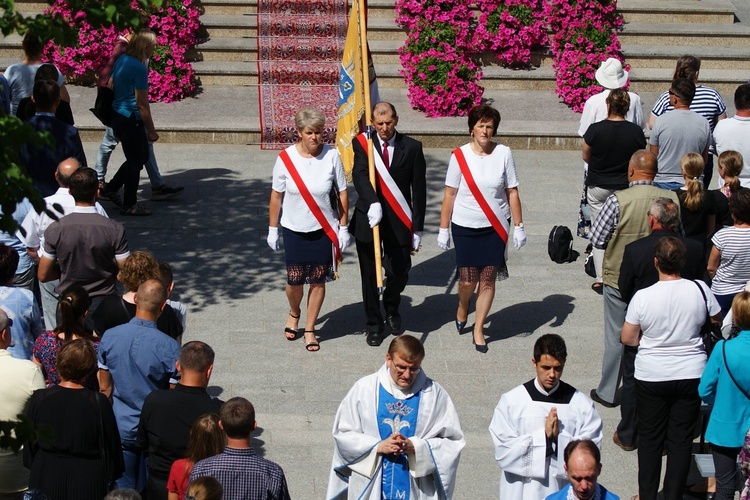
(396, 433)
(534, 422)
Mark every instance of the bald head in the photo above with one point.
(642, 166)
(384, 108)
(65, 169)
(150, 299)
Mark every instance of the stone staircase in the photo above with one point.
(654, 36)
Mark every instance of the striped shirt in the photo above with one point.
(707, 103)
(734, 266)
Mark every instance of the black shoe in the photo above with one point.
(625, 447)
(394, 323)
(599, 400)
(165, 192)
(460, 325)
(374, 339)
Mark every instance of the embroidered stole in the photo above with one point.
(486, 202)
(325, 219)
(386, 185)
(396, 416)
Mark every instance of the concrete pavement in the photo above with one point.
(214, 236)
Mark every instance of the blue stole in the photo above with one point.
(396, 416)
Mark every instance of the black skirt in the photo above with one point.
(307, 249)
(478, 247)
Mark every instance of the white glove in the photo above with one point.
(273, 238)
(444, 238)
(374, 214)
(519, 237)
(344, 237)
(416, 240)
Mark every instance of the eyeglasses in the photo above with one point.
(672, 92)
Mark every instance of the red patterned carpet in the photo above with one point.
(300, 43)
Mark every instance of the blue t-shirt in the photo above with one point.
(128, 76)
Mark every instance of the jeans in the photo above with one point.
(134, 475)
(109, 143)
(50, 300)
(669, 186)
(132, 135)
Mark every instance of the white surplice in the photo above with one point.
(517, 431)
(438, 441)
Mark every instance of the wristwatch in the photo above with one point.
(520, 224)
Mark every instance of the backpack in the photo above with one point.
(560, 245)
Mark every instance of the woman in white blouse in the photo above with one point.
(480, 223)
(305, 178)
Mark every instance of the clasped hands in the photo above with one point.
(552, 424)
(395, 444)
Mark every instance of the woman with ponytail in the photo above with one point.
(697, 208)
(73, 309)
(730, 166)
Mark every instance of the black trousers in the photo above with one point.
(397, 262)
(156, 488)
(667, 414)
(134, 140)
(725, 463)
(627, 429)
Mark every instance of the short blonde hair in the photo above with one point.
(309, 117)
(741, 310)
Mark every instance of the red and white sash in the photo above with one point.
(487, 203)
(386, 185)
(320, 212)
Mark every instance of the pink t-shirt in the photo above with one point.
(178, 477)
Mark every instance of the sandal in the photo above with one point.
(136, 210)
(313, 346)
(291, 333)
(598, 287)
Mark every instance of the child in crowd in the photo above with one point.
(729, 166)
(205, 488)
(206, 440)
(697, 208)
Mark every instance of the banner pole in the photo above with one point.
(369, 131)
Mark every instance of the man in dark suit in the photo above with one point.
(401, 217)
(41, 161)
(637, 271)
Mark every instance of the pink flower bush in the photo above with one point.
(511, 29)
(438, 58)
(171, 77)
(444, 41)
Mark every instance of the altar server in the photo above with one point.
(396, 433)
(534, 422)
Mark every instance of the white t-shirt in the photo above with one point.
(670, 314)
(319, 174)
(733, 134)
(494, 173)
(734, 266)
(20, 78)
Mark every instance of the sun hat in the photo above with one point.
(610, 74)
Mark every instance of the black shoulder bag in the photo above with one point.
(710, 332)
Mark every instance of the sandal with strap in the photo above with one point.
(313, 346)
(291, 333)
(136, 210)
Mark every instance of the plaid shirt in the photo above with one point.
(605, 224)
(244, 475)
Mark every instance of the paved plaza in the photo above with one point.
(214, 235)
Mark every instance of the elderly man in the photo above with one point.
(583, 466)
(733, 134)
(534, 422)
(134, 360)
(35, 224)
(19, 378)
(677, 133)
(84, 248)
(396, 433)
(623, 219)
(168, 415)
(397, 206)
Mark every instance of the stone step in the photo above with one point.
(664, 56)
(715, 35)
(677, 11)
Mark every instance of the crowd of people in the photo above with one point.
(93, 355)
